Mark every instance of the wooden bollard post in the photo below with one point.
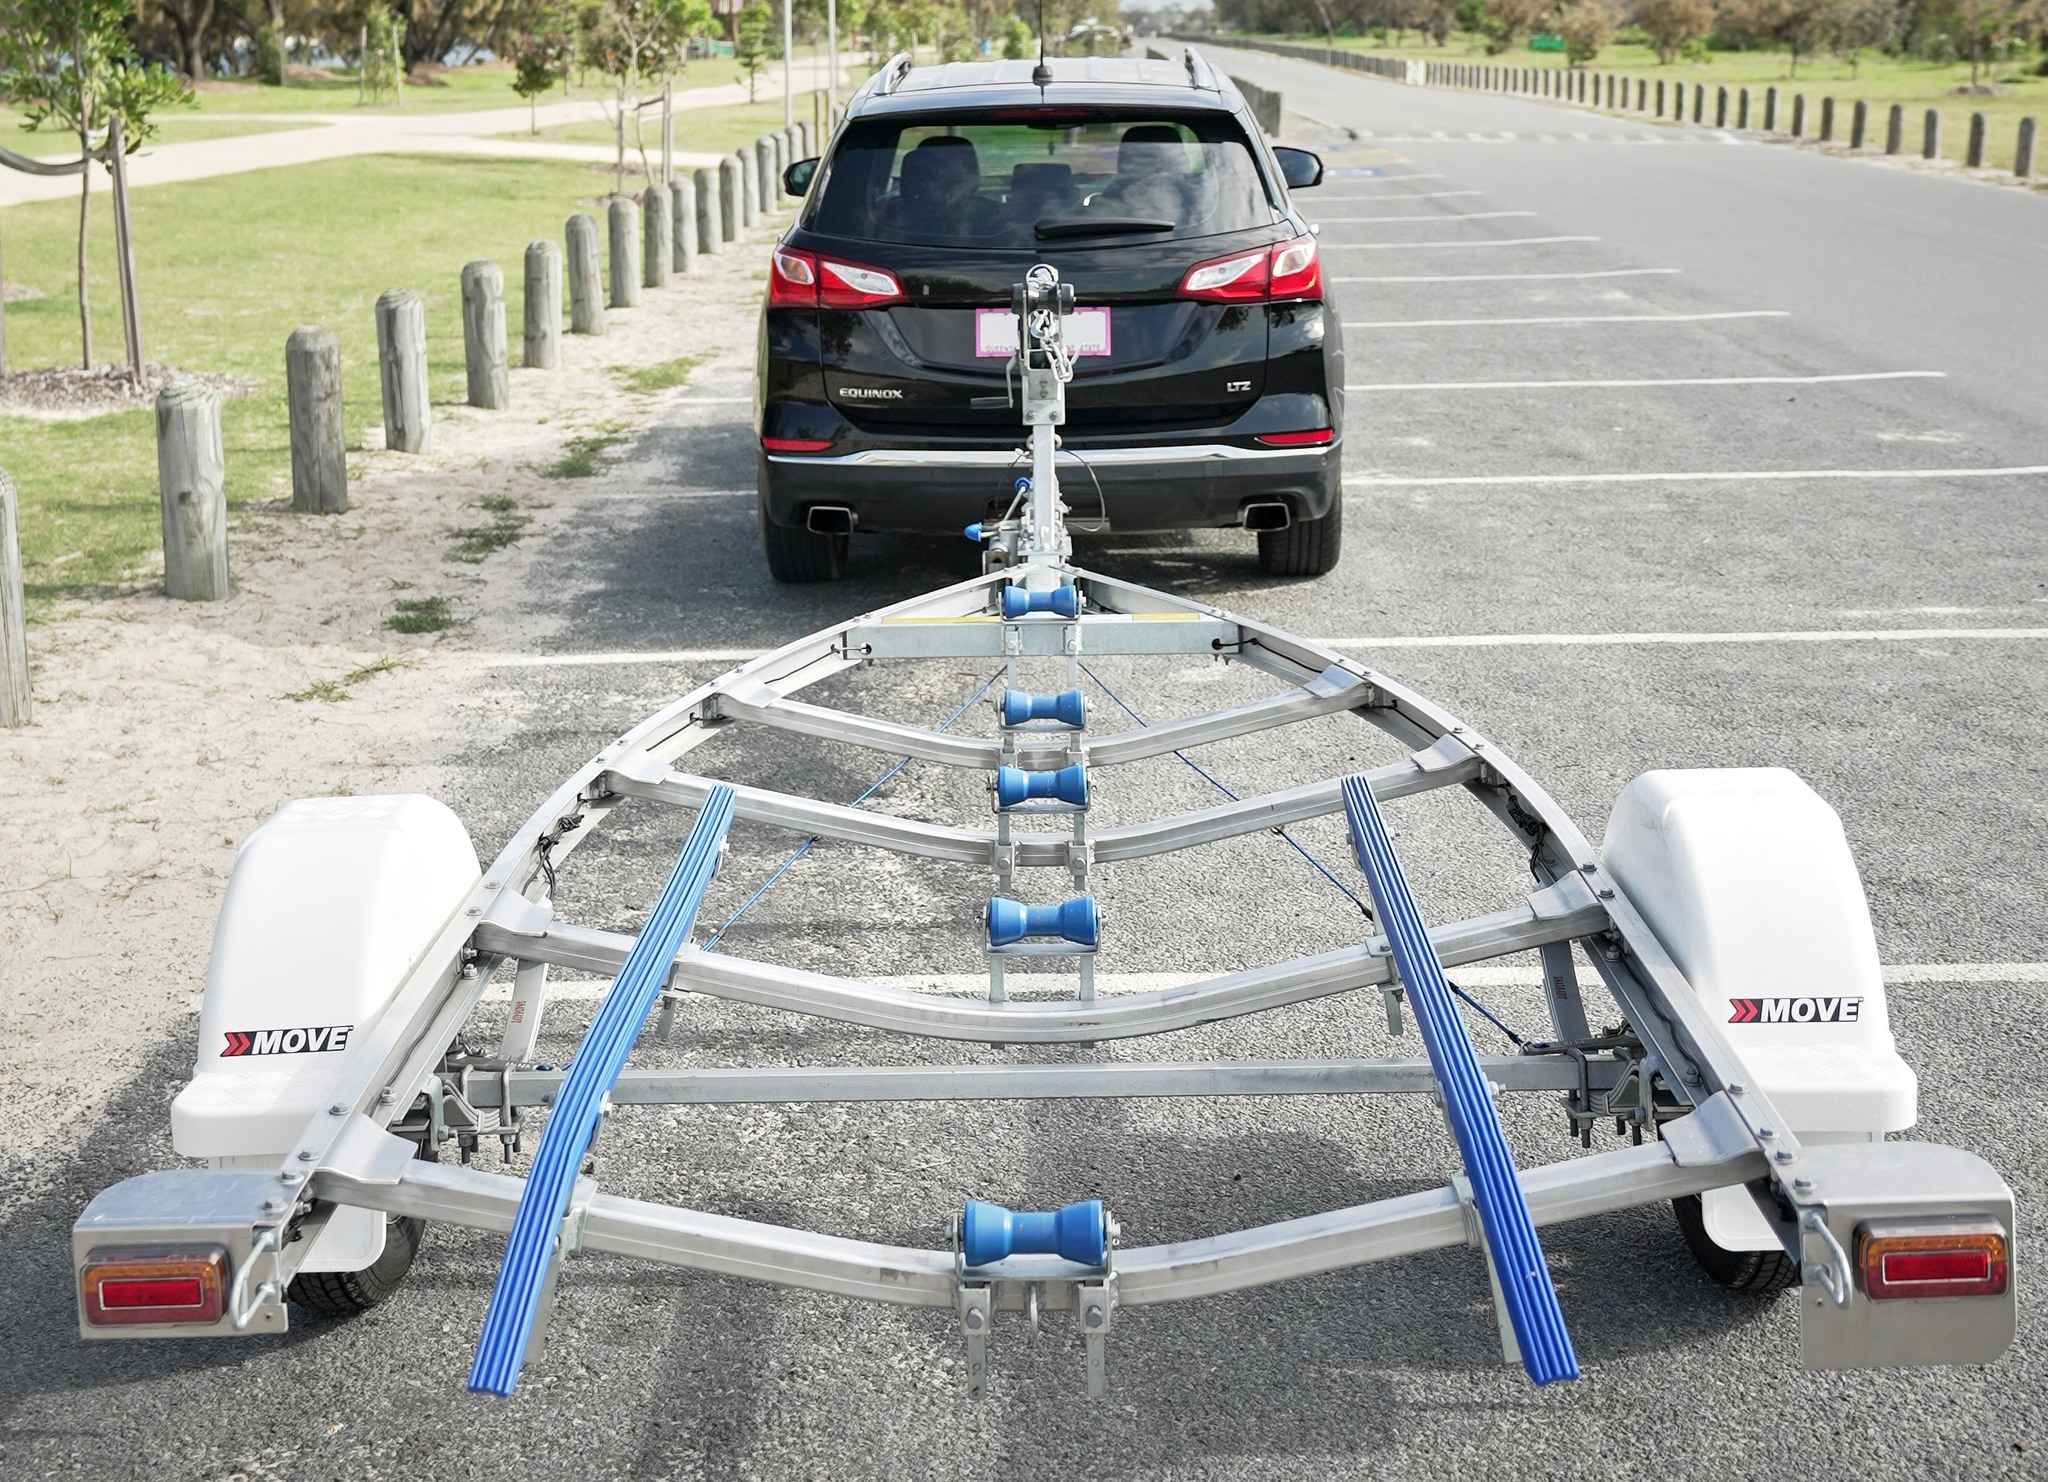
(1742, 108)
(2023, 151)
(1975, 158)
(1660, 97)
(682, 222)
(1930, 135)
(1721, 106)
(750, 188)
(15, 706)
(402, 371)
(657, 252)
(792, 148)
(1827, 120)
(312, 391)
(191, 475)
(1770, 110)
(1895, 129)
(710, 231)
(484, 352)
(731, 212)
(586, 281)
(1799, 115)
(1642, 94)
(765, 150)
(542, 319)
(624, 218)
(1859, 124)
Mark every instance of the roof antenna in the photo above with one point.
(1041, 75)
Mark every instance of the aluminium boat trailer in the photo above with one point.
(1754, 1068)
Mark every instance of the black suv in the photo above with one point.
(1208, 391)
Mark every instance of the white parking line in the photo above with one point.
(1478, 975)
(1412, 246)
(1515, 277)
(1412, 195)
(712, 401)
(1713, 476)
(1566, 319)
(1670, 381)
(1437, 216)
(1378, 180)
(616, 659)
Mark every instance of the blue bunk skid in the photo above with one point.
(1503, 1213)
(530, 1253)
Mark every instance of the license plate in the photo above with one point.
(995, 333)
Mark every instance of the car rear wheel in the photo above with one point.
(798, 555)
(1305, 547)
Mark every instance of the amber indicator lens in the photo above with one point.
(1945, 1258)
(186, 1284)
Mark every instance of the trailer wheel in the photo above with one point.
(1757, 1273)
(346, 1293)
(1304, 548)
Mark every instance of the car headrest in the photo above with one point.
(941, 167)
(1145, 148)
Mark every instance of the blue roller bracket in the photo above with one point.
(1504, 1219)
(1062, 599)
(1075, 921)
(530, 1253)
(1068, 707)
(975, 533)
(991, 1233)
(1014, 785)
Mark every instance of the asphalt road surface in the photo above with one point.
(1708, 453)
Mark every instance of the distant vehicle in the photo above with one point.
(1208, 388)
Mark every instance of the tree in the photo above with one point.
(631, 40)
(1982, 28)
(1850, 27)
(1507, 21)
(383, 48)
(758, 45)
(68, 63)
(1671, 24)
(1018, 42)
(540, 58)
(1586, 25)
(1795, 25)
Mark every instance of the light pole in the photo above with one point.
(788, 98)
(832, 51)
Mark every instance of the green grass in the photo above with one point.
(582, 456)
(228, 268)
(333, 691)
(458, 89)
(698, 130)
(663, 376)
(1879, 80)
(421, 615)
(474, 543)
(178, 127)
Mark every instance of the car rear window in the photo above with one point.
(1013, 183)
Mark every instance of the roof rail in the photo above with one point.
(1200, 74)
(893, 71)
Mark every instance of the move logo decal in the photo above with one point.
(1807, 1010)
(313, 1040)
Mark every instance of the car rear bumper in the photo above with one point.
(1182, 487)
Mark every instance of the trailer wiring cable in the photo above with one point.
(894, 770)
(1315, 861)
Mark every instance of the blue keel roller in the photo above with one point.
(1014, 785)
(1063, 600)
(1068, 707)
(991, 1233)
(975, 533)
(1075, 921)
(1504, 1220)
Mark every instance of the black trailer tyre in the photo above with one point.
(1304, 548)
(1757, 1273)
(798, 555)
(346, 1293)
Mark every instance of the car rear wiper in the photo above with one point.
(1095, 226)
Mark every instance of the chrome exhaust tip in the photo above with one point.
(1267, 514)
(829, 519)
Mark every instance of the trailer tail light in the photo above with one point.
(1313, 437)
(1293, 270)
(792, 280)
(128, 1285)
(1949, 1258)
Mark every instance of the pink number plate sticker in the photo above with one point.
(995, 333)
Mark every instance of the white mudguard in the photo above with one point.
(1745, 876)
(330, 904)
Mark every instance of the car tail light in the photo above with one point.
(1953, 1258)
(795, 444)
(853, 285)
(1292, 270)
(792, 279)
(1297, 271)
(1307, 438)
(154, 1286)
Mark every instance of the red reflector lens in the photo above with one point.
(1954, 1258)
(1313, 437)
(138, 1285)
(795, 444)
(167, 1291)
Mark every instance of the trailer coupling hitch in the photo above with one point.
(1080, 1240)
